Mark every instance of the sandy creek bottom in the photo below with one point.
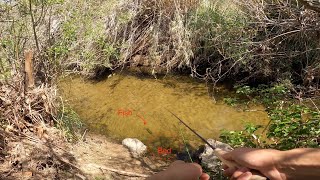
(130, 105)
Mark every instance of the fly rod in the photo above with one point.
(256, 175)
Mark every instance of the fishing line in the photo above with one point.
(184, 142)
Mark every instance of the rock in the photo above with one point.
(55, 25)
(208, 158)
(136, 147)
(195, 155)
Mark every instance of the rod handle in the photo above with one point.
(256, 175)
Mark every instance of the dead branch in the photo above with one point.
(311, 4)
(29, 69)
(124, 173)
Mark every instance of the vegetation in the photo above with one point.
(291, 125)
(70, 123)
(267, 48)
(246, 42)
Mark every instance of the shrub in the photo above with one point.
(245, 138)
(291, 125)
(69, 122)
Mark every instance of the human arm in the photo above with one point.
(180, 170)
(301, 163)
(296, 164)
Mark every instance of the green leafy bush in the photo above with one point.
(247, 137)
(230, 101)
(291, 125)
(294, 126)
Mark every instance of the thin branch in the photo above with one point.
(124, 173)
(6, 20)
(34, 26)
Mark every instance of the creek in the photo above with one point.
(131, 105)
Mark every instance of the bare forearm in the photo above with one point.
(301, 163)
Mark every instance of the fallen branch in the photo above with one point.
(125, 173)
(6, 20)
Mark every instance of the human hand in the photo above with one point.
(263, 160)
(180, 170)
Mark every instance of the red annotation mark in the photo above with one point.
(127, 113)
(124, 113)
(144, 121)
(164, 151)
(163, 154)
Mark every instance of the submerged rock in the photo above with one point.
(135, 146)
(208, 158)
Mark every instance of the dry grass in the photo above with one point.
(29, 157)
(246, 41)
(151, 33)
(284, 46)
(30, 147)
(26, 109)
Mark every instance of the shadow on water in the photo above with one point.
(116, 82)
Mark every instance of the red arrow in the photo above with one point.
(144, 121)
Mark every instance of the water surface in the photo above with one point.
(126, 105)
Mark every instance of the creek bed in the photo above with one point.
(135, 106)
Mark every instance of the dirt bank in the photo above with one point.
(101, 158)
(51, 157)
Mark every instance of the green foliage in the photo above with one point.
(294, 126)
(291, 125)
(70, 122)
(46, 2)
(5, 46)
(61, 47)
(230, 101)
(125, 17)
(245, 138)
(108, 52)
(82, 38)
(52, 2)
(4, 69)
(69, 31)
(58, 50)
(266, 95)
(99, 178)
(218, 30)
(246, 90)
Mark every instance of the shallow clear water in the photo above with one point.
(125, 105)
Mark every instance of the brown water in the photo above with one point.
(125, 105)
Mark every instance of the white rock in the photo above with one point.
(55, 25)
(208, 158)
(136, 147)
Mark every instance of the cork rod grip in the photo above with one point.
(256, 175)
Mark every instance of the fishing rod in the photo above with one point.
(256, 175)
